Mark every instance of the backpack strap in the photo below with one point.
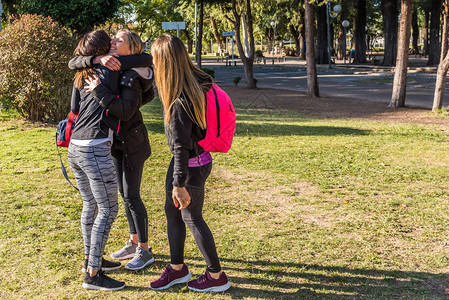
(64, 171)
(218, 111)
(68, 128)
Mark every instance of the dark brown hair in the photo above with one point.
(94, 43)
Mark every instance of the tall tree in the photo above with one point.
(443, 67)
(434, 45)
(240, 7)
(344, 14)
(415, 31)
(322, 55)
(444, 34)
(390, 15)
(426, 30)
(360, 32)
(217, 35)
(199, 34)
(312, 78)
(400, 74)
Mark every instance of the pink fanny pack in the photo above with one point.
(201, 160)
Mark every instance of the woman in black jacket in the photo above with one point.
(182, 88)
(131, 146)
(89, 155)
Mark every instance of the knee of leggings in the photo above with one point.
(192, 220)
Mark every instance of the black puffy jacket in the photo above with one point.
(123, 116)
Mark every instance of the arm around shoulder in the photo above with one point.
(81, 62)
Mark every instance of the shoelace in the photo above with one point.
(165, 273)
(202, 279)
(139, 253)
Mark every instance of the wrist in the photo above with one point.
(96, 60)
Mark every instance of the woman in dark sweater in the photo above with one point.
(89, 155)
(182, 88)
(131, 146)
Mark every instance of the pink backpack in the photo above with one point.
(220, 120)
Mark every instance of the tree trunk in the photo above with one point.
(400, 74)
(189, 40)
(415, 31)
(390, 20)
(440, 84)
(434, 45)
(245, 35)
(426, 31)
(341, 42)
(302, 39)
(342, 31)
(217, 35)
(295, 33)
(199, 40)
(444, 33)
(322, 56)
(312, 78)
(269, 34)
(248, 62)
(360, 33)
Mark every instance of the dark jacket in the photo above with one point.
(126, 61)
(183, 136)
(131, 136)
(134, 91)
(88, 124)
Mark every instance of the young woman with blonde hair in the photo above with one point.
(131, 147)
(182, 88)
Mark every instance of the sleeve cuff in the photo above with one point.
(178, 182)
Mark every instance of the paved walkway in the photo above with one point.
(365, 82)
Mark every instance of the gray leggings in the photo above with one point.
(97, 181)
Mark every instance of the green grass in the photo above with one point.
(301, 208)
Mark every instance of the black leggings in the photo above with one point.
(129, 187)
(190, 216)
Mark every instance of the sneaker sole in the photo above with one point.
(214, 289)
(103, 269)
(176, 281)
(100, 288)
(123, 257)
(140, 268)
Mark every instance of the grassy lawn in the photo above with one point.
(301, 208)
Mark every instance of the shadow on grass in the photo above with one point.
(272, 129)
(279, 280)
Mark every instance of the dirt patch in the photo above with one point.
(330, 107)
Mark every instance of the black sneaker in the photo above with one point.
(102, 282)
(106, 265)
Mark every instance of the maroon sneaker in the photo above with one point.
(170, 277)
(208, 284)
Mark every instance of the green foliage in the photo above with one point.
(237, 80)
(34, 77)
(259, 53)
(210, 72)
(79, 15)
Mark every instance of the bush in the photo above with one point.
(210, 72)
(237, 80)
(34, 76)
(258, 53)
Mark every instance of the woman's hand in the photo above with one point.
(92, 83)
(181, 197)
(109, 61)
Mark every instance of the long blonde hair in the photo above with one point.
(136, 46)
(175, 75)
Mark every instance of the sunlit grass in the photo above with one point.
(301, 208)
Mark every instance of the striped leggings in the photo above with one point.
(97, 181)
